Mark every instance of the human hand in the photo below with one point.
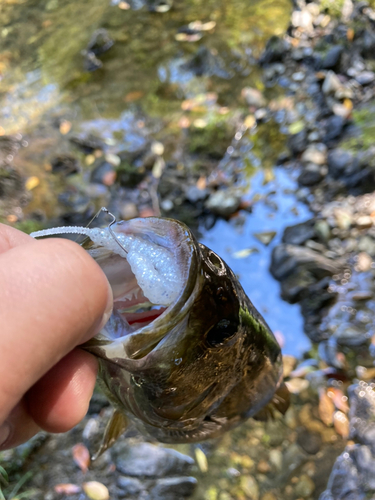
(53, 297)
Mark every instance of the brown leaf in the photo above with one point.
(341, 424)
(67, 488)
(81, 456)
(339, 399)
(134, 96)
(326, 408)
(96, 490)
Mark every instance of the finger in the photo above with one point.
(60, 399)
(20, 427)
(10, 237)
(52, 297)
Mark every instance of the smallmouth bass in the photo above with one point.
(185, 354)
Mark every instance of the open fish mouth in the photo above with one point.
(149, 263)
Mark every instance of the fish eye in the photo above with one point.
(222, 331)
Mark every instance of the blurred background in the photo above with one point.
(253, 122)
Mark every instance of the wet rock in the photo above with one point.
(194, 194)
(309, 441)
(130, 485)
(333, 57)
(353, 475)
(147, 460)
(333, 128)
(99, 43)
(339, 160)
(104, 173)
(65, 165)
(11, 183)
(297, 143)
(253, 97)
(310, 175)
(223, 202)
(250, 487)
(305, 486)
(88, 143)
(176, 488)
(275, 50)
(365, 78)
(362, 414)
(299, 233)
(316, 153)
(331, 83)
(287, 258)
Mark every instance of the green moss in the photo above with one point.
(332, 7)
(364, 120)
(211, 140)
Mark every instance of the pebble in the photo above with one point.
(299, 76)
(173, 488)
(331, 83)
(223, 202)
(128, 211)
(365, 77)
(305, 487)
(364, 222)
(250, 487)
(364, 262)
(316, 153)
(310, 175)
(333, 57)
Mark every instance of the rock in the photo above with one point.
(103, 173)
(302, 19)
(338, 161)
(250, 487)
(334, 127)
(276, 48)
(333, 57)
(367, 244)
(253, 97)
(364, 262)
(174, 488)
(297, 143)
(364, 222)
(331, 83)
(365, 77)
(317, 153)
(353, 475)
(147, 460)
(224, 202)
(194, 194)
(65, 165)
(129, 210)
(265, 237)
(299, 233)
(130, 485)
(310, 175)
(88, 143)
(305, 486)
(309, 441)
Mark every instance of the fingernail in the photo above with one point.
(108, 309)
(4, 433)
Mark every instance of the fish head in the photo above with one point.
(185, 353)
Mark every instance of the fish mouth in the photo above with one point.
(151, 266)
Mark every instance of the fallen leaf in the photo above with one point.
(65, 127)
(201, 182)
(134, 96)
(32, 182)
(339, 399)
(242, 254)
(96, 490)
(201, 460)
(67, 488)
(265, 237)
(341, 424)
(296, 127)
(326, 408)
(81, 456)
(350, 34)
